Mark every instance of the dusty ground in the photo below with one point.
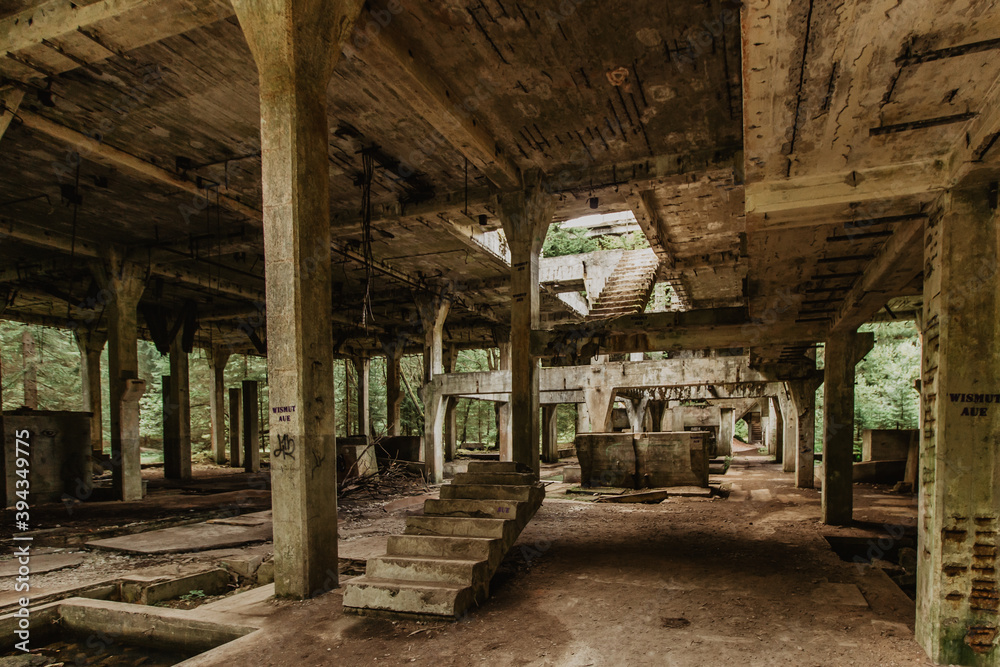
(686, 582)
(748, 580)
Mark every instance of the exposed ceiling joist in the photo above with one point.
(399, 66)
(57, 18)
(895, 265)
(10, 100)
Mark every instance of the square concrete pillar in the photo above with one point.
(393, 393)
(235, 427)
(123, 283)
(790, 429)
(362, 368)
(843, 351)
(91, 344)
(550, 434)
(217, 360)
(803, 394)
(296, 44)
(450, 428)
(504, 434)
(250, 420)
(727, 431)
(433, 312)
(177, 416)
(958, 571)
(525, 217)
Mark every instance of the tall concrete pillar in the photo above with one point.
(778, 426)
(673, 418)
(790, 429)
(503, 412)
(959, 514)
(550, 434)
(217, 359)
(123, 282)
(450, 409)
(637, 413)
(235, 428)
(177, 420)
(250, 419)
(296, 44)
(727, 431)
(843, 351)
(362, 368)
(393, 392)
(525, 216)
(769, 425)
(803, 394)
(91, 344)
(433, 313)
(655, 411)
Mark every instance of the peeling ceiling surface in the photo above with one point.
(770, 151)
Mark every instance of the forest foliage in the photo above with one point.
(884, 395)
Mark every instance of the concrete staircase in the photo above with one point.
(629, 287)
(442, 565)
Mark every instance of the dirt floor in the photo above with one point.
(744, 580)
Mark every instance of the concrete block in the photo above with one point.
(58, 450)
(572, 474)
(245, 567)
(265, 573)
(150, 590)
(401, 447)
(502, 478)
(606, 459)
(365, 595)
(879, 472)
(887, 444)
(416, 568)
(355, 458)
(671, 459)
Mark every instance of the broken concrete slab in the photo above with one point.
(657, 495)
(196, 537)
(42, 563)
(252, 519)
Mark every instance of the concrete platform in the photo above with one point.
(196, 537)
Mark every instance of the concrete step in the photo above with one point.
(436, 546)
(533, 494)
(424, 568)
(460, 526)
(477, 509)
(512, 478)
(366, 595)
(492, 466)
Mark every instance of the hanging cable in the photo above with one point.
(368, 167)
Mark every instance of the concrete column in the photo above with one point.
(123, 283)
(296, 44)
(550, 434)
(450, 409)
(167, 423)
(843, 351)
(503, 412)
(655, 412)
(177, 448)
(790, 428)
(768, 422)
(778, 426)
(673, 418)
(727, 431)
(217, 360)
(393, 392)
(582, 418)
(433, 313)
(525, 217)
(362, 367)
(91, 344)
(637, 413)
(599, 403)
(235, 428)
(959, 515)
(29, 367)
(250, 420)
(804, 402)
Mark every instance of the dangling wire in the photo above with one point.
(368, 166)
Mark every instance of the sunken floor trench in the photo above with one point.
(748, 576)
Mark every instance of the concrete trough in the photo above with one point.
(187, 633)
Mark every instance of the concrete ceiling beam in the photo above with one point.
(56, 18)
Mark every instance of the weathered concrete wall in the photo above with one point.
(400, 447)
(58, 446)
(671, 459)
(887, 444)
(355, 457)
